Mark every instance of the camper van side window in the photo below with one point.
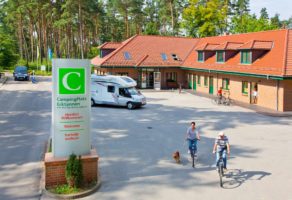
(111, 89)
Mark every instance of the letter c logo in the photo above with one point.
(65, 81)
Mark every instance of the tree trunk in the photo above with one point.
(31, 39)
(19, 33)
(172, 16)
(45, 44)
(80, 29)
(126, 24)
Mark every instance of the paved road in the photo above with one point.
(135, 150)
(25, 120)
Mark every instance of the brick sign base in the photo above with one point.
(55, 169)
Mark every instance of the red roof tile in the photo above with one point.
(152, 46)
(110, 45)
(207, 47)
(146, 51)
(228, 46)
(272, 63)
(256, 44)
(288, 55)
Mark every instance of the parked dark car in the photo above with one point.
(21, 73)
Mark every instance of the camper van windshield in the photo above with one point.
(133, 91)
(127, 79)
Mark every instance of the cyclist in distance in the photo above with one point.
(221, 146)
(219, 94)
(192, 137)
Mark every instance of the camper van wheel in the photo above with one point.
(92, 102)
(130, 105)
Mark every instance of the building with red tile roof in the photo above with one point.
(240, 63)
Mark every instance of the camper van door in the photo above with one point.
(124, 96)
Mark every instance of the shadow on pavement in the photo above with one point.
(237, 177)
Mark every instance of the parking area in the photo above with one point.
(136, 146)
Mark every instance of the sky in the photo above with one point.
(282, 7)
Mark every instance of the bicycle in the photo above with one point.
(222, 101)
(193, 152)
(220, 165)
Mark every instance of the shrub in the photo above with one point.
(74, 171)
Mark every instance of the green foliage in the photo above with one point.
(64, 189)
(94, 51)
(151, 29)
(74, 171)
(8, 57)
(205, 18)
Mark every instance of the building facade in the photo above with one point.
(252, 68)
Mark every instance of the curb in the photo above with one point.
(72, 196)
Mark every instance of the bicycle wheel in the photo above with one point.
(193, 157)
(221, 174)
(216, 101)
(227, 102)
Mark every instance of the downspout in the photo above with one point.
(277, 98)
(217, 83)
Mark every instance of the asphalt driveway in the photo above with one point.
(135, 148)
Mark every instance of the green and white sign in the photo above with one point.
(71, 81)
(71, 107)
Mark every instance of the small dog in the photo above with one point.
(176, 157)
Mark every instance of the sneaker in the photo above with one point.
(225, 170)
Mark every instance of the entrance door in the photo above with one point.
(150, 80)
(194, 82)
(211, 86)
(157, 80)
(190, 80)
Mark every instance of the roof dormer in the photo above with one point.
(226, 50)
(108, 47)
(205, 51)
(253, 50)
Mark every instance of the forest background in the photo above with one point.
(32, 32)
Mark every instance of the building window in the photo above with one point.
(245, 57)
(200, 56)
(127, 55)
(244, 89)
(111, 89)
(205, 80)
(220, 56)
(199, 80)
(164, 56)
(171, 76)
(225, 84)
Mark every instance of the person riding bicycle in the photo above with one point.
(219, 94)
(192, 137)
(221, 146)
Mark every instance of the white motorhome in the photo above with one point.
(115, 90)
